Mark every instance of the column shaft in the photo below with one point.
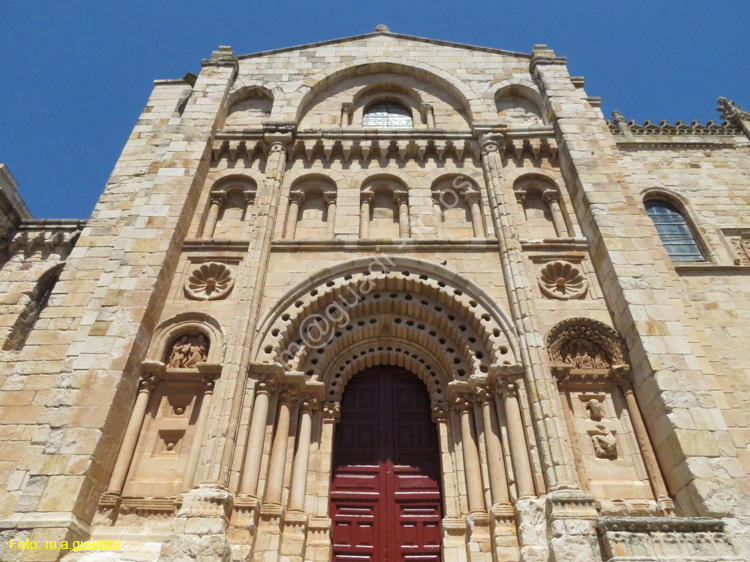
(254, 450)
(213, 216)
(291, 219)
(331, 219)
(472, 471)
(649, 457)
(476, 216)
(132, 432)
(498, 476)
(200, 430)
(301, 458)
(518, 448)
(275, 481)
(437, 210)
(557, 217)
(403, 217)
(364, 217)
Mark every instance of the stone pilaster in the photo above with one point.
(556, 453)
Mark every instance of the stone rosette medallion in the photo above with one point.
(210, 281)
(562, 280)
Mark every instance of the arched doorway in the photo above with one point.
(386, 501)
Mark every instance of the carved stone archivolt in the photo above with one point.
(210, 281)
(188, 351)
(562, 280)
(583, 343)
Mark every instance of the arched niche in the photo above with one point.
(248, 107)
(384, 208)
(189, 325)
(340, 100)
(33, 302)
(519, 105)
(539, 198)
(312, 208)
(228, 203)
(457, 207)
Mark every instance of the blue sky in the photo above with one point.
(76, 75)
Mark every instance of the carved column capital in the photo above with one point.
(549, 196)
(265, 384)
(621, 376)
(148, 382)
(209, 381)
(440, 412)
(329, 198)
(471, 197)
(463, 403)
(484, 394)
(297, 197)
(289, 395)
(508, 388)
(366, 197)
(491, 142)
(218, 197)
(331, 412)
(310, 404)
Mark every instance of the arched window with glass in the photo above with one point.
(674, 231)
(387, 115)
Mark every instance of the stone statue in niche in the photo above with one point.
(595, 409)
(604, 442)
(188, 351)
(583, 354)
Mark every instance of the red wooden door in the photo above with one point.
(385, 494)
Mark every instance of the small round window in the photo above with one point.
(387, 115)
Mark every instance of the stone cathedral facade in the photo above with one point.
(384, 298)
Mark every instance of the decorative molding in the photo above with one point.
(664, 128)
(210, 281)
(562, 280)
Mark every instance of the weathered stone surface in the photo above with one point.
(265, 236)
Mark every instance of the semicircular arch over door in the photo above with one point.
(386, 499)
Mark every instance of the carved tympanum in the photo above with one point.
(583, 354)
(583, 343)
(562, 280)
(210, 281)
(604, 442)
(188, 351)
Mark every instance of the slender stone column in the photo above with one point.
(330, 199)
(519, 454)
(437, 210)
(200, 430)
(476, 214)
(364, 215)
(295, 200)
(145, 386)
(552, 200)
(647, 451)
(498, 476)
(568, 412)
(472, 471)
(302, 456)
(254, 448)
(555, 452)
(403, 216)
(217, 199)
(275, 481)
